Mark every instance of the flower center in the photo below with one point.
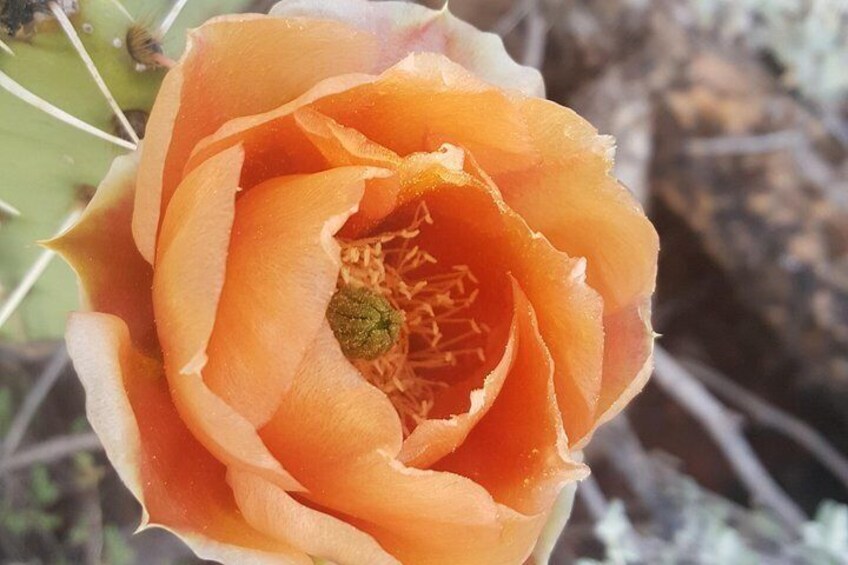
(401, 319)
(364, 322)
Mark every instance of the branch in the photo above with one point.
(509, 21)
(33, 400)
(769, 415)
(537, 36)
(51, 451)
(589, 491)
(745, 144)
(618, 443)
(720, 424)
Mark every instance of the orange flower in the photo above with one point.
(376, 295)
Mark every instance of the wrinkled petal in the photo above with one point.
(234, 66)
(272, 511)
(342, 147)
(180, 485)
(187, 286)
(518, 451)
(114, 277)
(283, 266)
(403, 28)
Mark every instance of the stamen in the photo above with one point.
(389, 265)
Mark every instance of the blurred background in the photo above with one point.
(732, 124)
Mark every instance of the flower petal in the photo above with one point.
(435, 438)
(628, 360)
(234, 66)
(340, 147)
(114, 277)
(412, 107)
(283, 264)
(572, 198)
(187, 286)
(425, 101)
(180, 485)
(518, 451)
(477, 226)
(347, 462)
(271, 510)
(274, 144)
(403, 28)
(191, 259)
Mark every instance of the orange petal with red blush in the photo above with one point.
(348, 463)
(282, 270)
(187, 286)
(115, 278)
(180, 485)
(216, 80)
(519, 451)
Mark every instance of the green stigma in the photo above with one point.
(364, 322)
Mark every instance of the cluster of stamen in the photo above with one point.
(437, 329)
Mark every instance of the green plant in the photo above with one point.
(59, 132)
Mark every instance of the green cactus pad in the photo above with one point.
(44, 162)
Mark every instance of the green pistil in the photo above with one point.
(364, 322)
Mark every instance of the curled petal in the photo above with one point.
(274, 144)
(403, 28)
(414, 106)
(114, 277)
(341, 147)
(180, 485)
(218, 79)
(283, 265)
(571, 197)
(435, 438)
(628, 360)
(186, 290)
(519, 451)
(348, 463)
(272, 511)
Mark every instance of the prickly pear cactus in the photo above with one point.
(48, 165)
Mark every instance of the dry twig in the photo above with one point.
(509, 21)
(589, 491)
(33, 400)
(769, 415)
(724, 429)
(537, 36)
(745, 144)
(50, 451)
